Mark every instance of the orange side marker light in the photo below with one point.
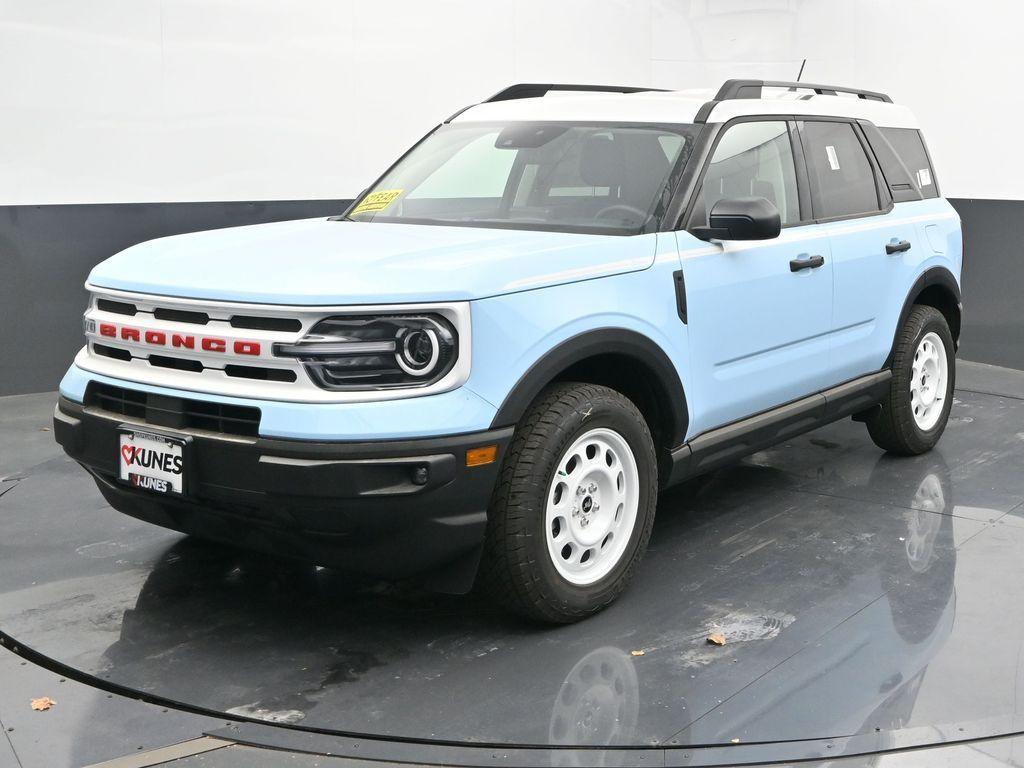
(477, 457)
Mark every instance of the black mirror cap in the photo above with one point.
(741, 218)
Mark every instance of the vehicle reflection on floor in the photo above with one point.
(256, 639)
(841, 579)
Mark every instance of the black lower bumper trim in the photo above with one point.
(392, 508)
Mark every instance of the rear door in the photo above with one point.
(850, 197)
(758, 322)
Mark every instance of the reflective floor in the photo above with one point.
(858, 593)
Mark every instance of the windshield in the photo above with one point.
(550, 176)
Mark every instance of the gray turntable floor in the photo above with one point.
(858, 593)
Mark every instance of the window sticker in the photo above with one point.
(375, 202)
(833, 158)
(924, 177)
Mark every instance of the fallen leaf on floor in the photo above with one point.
(637, 653)
(718, 638)
(42, 704)
(45, 429)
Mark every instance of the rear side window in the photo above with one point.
(841, 176)
(910, 147)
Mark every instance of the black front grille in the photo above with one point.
(266, 323)
(177, 363)
(259, 373)
(174, 412)
(115, 352)
(118, 307)
(181, 316)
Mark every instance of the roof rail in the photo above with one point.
(534, 90)
(751, 89)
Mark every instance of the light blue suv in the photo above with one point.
(557, 303)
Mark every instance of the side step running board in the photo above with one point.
(724, 445)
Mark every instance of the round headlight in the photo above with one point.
(417, 351)
(376, 351)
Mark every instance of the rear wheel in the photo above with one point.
(914, 413)
(573, 510)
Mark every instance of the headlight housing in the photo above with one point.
(367, 352)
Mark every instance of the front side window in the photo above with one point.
(752, 159)
(840, 174)
(550, 176)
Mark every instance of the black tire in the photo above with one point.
(892, 427)
(517, 570)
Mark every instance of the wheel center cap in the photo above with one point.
(926, 391)
(586, 510)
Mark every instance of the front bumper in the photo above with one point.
(354, 505)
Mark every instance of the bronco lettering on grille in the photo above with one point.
(178, 340)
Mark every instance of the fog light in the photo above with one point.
(476, 457)
(420, 475)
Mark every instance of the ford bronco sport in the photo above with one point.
(551, 307)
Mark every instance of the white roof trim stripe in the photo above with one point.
(681, 107)
(878, 112)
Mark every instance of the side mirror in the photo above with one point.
(741, 218)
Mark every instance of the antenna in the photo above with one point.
(801, 72)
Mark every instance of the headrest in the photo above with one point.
(602, 161)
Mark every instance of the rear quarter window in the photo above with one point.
(909, 145)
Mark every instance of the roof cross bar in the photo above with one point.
(534, 90)
(751, 89)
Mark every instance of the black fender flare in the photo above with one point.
(618, 341)
(941, 277)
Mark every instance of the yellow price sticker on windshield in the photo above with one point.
(375, 202)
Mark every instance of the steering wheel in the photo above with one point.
(641, 215)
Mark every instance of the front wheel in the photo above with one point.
(573, 509)
(913, 415)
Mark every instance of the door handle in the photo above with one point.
(900, 247)
(812, 262)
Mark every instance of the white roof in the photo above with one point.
(682, 107)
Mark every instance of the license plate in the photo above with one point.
(152, 462)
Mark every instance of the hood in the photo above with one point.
(318, 261)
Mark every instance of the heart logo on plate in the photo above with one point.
(128, 451)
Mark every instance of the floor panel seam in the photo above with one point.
(1013, 509)
(11, 487)
(898, 506)
(986, 392)
(973, 536)
(10, 743)
(987, 526)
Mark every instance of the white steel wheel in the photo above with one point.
(924, 522)
(592, 504)
(598, 705)
(930, 371)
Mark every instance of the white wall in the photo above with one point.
(187, 100)
(956, 63)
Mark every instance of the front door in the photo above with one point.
(759, 321)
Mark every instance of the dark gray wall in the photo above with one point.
(993, 281)
(46, 253)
